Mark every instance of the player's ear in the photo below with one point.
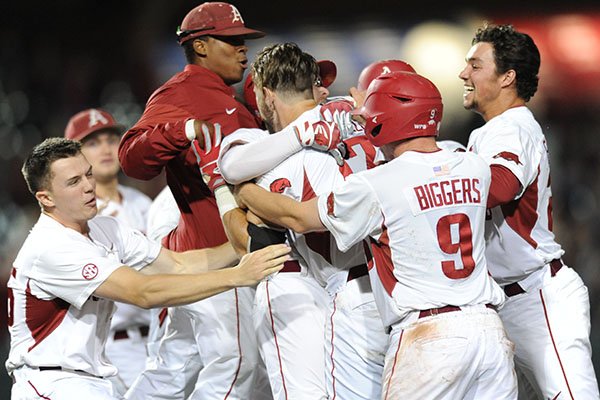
(510, 77)
(44, 197)
(200, 46)
(269, 95)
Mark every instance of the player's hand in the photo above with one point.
(206, 146)
(256, 266)
(321, 135)
(340, 112)
(359, 100)
(340, 153)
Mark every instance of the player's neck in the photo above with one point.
(425, 144)
(78, 226)
(500, 106)
(288, 113)
(108, 190)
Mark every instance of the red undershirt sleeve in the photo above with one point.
(504, 187)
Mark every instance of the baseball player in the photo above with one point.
(163, 216)
(343, 340)
(99, 135)
(547, 314)
(72, 267)
(218, 330)
(423, 211)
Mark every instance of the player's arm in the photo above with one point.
(504, 187)
(280, 210)
(192, 261)
(165, 290)
(157, 137)
(242, 161)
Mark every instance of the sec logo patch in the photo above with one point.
(89, 271)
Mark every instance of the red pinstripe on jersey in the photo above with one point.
(554, 343)
(276, 342)
(387, 390)
(332, 346)
(237, 371)
(38, 393)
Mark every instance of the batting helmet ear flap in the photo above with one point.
(375, 131)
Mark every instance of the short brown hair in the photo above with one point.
(513, 50)
(286, 68)
(36, 168)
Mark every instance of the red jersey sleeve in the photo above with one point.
(156, 138)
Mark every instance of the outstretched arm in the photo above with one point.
(300, 217)
(165, 290)
(192, 261)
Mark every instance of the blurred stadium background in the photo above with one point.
(60, 57)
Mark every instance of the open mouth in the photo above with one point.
(244, 63)
(467, 90)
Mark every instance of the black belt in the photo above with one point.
(57, 368)
(445, 309)
(122, 334)
(514, 289)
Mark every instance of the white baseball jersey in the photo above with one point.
(354, 349)
(54, 320)
(425, 212)
(133, 212)
(519, 234)
(163, 215)
(303, 176)
(549, 318)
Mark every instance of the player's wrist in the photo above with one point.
(225, 200)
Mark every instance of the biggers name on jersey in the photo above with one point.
(448, 192)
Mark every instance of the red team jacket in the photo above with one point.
(158, 141)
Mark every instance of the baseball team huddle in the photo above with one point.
(306, 247)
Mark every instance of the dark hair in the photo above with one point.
(36, 168)
(285, 68)
(513, 50)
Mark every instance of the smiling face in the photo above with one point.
(225, 56)
(101, 149)
(70, 197)
(482, 83)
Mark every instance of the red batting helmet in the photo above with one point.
(218, 19)
(377, 68)
(89, 121)
(401, 105)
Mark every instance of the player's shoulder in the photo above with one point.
(134, 195)
(519, 120)
(104, 223)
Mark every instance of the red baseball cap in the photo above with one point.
(89, 121)
(327, 72)
(219, 19)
